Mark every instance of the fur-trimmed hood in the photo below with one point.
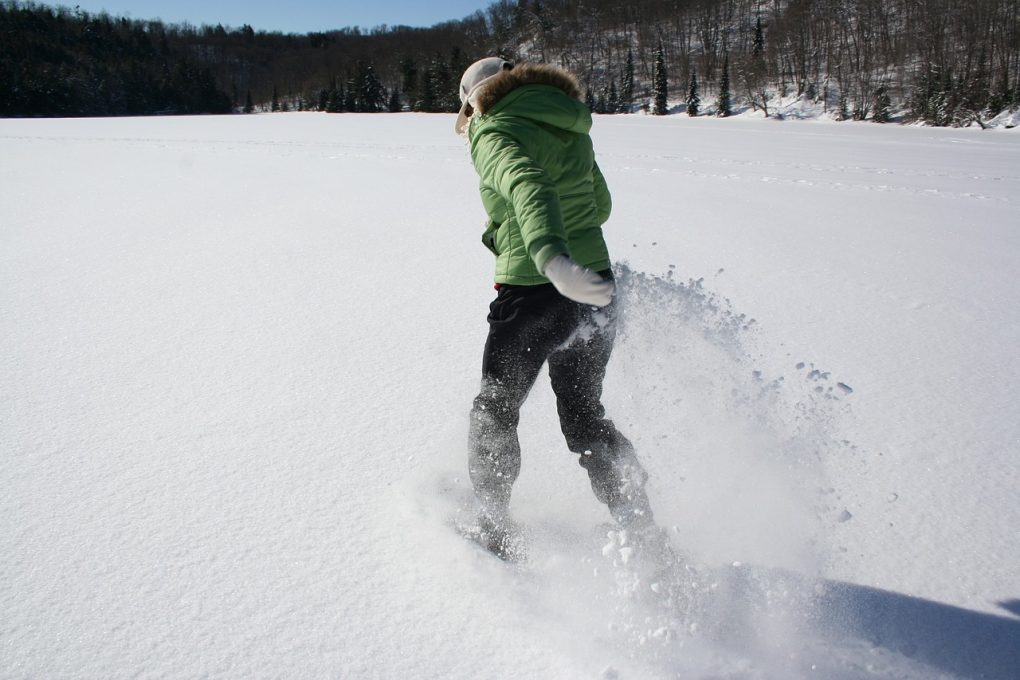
(502, 84)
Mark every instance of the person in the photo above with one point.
(546, 202)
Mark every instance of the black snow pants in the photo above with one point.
(529, 326)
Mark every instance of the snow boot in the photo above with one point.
(501, 537)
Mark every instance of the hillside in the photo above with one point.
(943, 62)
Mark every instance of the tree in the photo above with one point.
(409, 78)
(882, 106)
(755, 71)
(369, 96)
(58, 61)
(693, 100)
(249, 105)
(337, 96)
(427, 93)
(395, 106)
(350, 96)
(627, 86)
(660, 85)
(723, 105)
(613, 102)
(844, 105)
(758, 43)
(1000, 98)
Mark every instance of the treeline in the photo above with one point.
(63, 63)
(942, 61)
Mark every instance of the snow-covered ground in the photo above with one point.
(236, 356)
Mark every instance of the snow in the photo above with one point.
(236, 356)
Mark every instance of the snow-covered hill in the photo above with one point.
(236, 356)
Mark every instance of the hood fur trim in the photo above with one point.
(504, 83)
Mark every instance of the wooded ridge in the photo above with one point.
(946, 62)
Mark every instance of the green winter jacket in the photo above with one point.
(540, 185)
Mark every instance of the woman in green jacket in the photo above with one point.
(546, 202)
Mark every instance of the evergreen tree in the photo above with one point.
(723, 105)
(844, 105)
(351, 96)
(613, 102)
(249, 105)
(589, 99)
(427, 99)
(394, 105)
(440, 88)
(1000, 97)
(275, 106)
(693, 100)
(323, 100)
(336, 99)
(755, 71)
(882, 106)
(409, 78)
(660, 83)
(627, 87)
(941, 102)
(369, 96)
(458, 64)
(758, 44)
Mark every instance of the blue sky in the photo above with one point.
(296, 16)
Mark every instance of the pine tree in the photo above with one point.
(350, 98)
(627, 88)
(613, 103)
(844, 105)
(693, 100)
(439, 89)
(755, 71)
(369, 96)
(409, 79)
(249, 105)
(758, 44)
(660, 84)
(882, 106)
(276, 101)
(722, 103)
(427, 100)
(395, 105)
(1000, 96)
(337, 99)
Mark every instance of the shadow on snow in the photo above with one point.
(966, 643)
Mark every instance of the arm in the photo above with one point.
(515, 176)
(603, 201)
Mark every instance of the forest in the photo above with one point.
(944, 62)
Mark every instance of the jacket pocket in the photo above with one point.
(489, 237)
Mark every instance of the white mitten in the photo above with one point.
(578, 283)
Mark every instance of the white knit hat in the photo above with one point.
(476, 74)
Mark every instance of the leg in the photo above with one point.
(526, 323)
(577, 371)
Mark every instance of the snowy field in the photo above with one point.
(237, 354)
